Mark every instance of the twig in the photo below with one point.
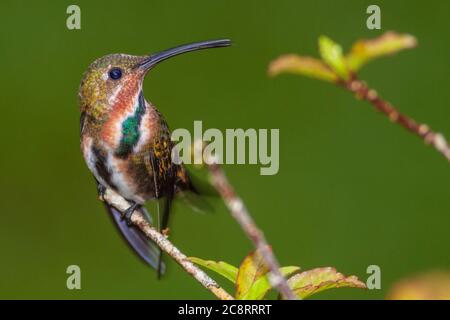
(437, 140)
(151, 233)
(243, 217)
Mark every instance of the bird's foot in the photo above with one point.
(129, 212)
(166, 232)
(101, 189)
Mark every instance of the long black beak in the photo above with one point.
(156, 58)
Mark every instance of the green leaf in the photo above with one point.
(389, 43)
(289, 270)
(224, 269)
(316, 280)
(306, 66)
(251, 269)
(331, 53)
(261, 287)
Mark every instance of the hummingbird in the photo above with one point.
(126, 142)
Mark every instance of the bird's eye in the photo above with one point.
(115, 73)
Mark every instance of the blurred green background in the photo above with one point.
(352, 190)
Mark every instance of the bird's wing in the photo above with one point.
(159, 166)
(173, 179)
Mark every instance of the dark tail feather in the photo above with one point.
(147, 250)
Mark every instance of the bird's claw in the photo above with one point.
(165, 232)
(101, 189)
(129, 213)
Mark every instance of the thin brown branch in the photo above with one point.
(243, 217)
(151, 233)
(361, 90)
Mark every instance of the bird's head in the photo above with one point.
(114, 78)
